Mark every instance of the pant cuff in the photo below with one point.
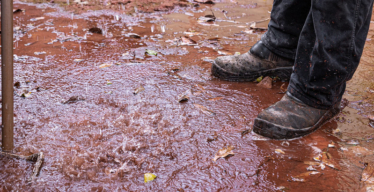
(278, 51)
(306, 99)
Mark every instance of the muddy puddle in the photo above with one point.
(98, 93)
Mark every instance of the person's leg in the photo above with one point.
(337, 31)
(274, 54)
(328, 53)
(287, 21)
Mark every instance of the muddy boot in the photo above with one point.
(290, 118)
(258, 61)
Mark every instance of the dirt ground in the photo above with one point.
(97, 90)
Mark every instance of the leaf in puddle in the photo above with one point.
(187, 41)
(133, 35)
(26, 95)
(311, 168)
(37, 19)
(257, 29)
(259, 79)
(245, 132)
(139, 89)
(105, 65)
(73, 99)
(313, 163)
(184, 97)
(200, 87)
(318, 158)
(206, 18)
(204, 1)
(95, 30)
(223, 53)
(283, 88)
(353, 142)
(215, 99)
(224, 152)
(204, 109)
(40, 53)
(149, 177)
(151, 52)
(304, 176)
(329, 161)
(279, 151)
(17, 84)
(367, 173)
(18, 10)
(212, 137)
(192, 33)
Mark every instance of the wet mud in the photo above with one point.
(104, 106)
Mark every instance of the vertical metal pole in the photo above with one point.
(7, 73)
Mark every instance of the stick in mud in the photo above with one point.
(37, 157)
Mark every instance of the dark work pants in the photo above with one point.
(326, 38)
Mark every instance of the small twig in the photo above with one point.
(37, 157)
(32, 157)
(38, 165)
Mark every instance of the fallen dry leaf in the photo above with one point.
(304, 176)
(312, 163)
(215, 99)
(279, 151)
(224, 152)
(328, 161)
(187, 41)
(204, 109)
(184, 97)
(367, 173)
(206, 18)
(139, 89)
(149, 177)
(283, 88)
(105, 65)
(204, 1)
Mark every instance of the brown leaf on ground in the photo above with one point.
(204, 1)
(267, 82)
(73, 99)
(204, 109)
(224, 152)
(305, 176)
(328, 161)
(184, 97)
(312, 163)
(283, 88)
(138, 90)
(257, 29)
(187, 41)
(367, 173)
(215, 99)
(212, 137)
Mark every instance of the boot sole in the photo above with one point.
(283, 73)
(274, 131)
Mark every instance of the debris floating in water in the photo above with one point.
(138, 90)
(149, 177)
(224, 152)
(204, 109)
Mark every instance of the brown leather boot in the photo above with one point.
(258, 61)
(290, 118)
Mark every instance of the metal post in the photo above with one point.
(7, 73)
